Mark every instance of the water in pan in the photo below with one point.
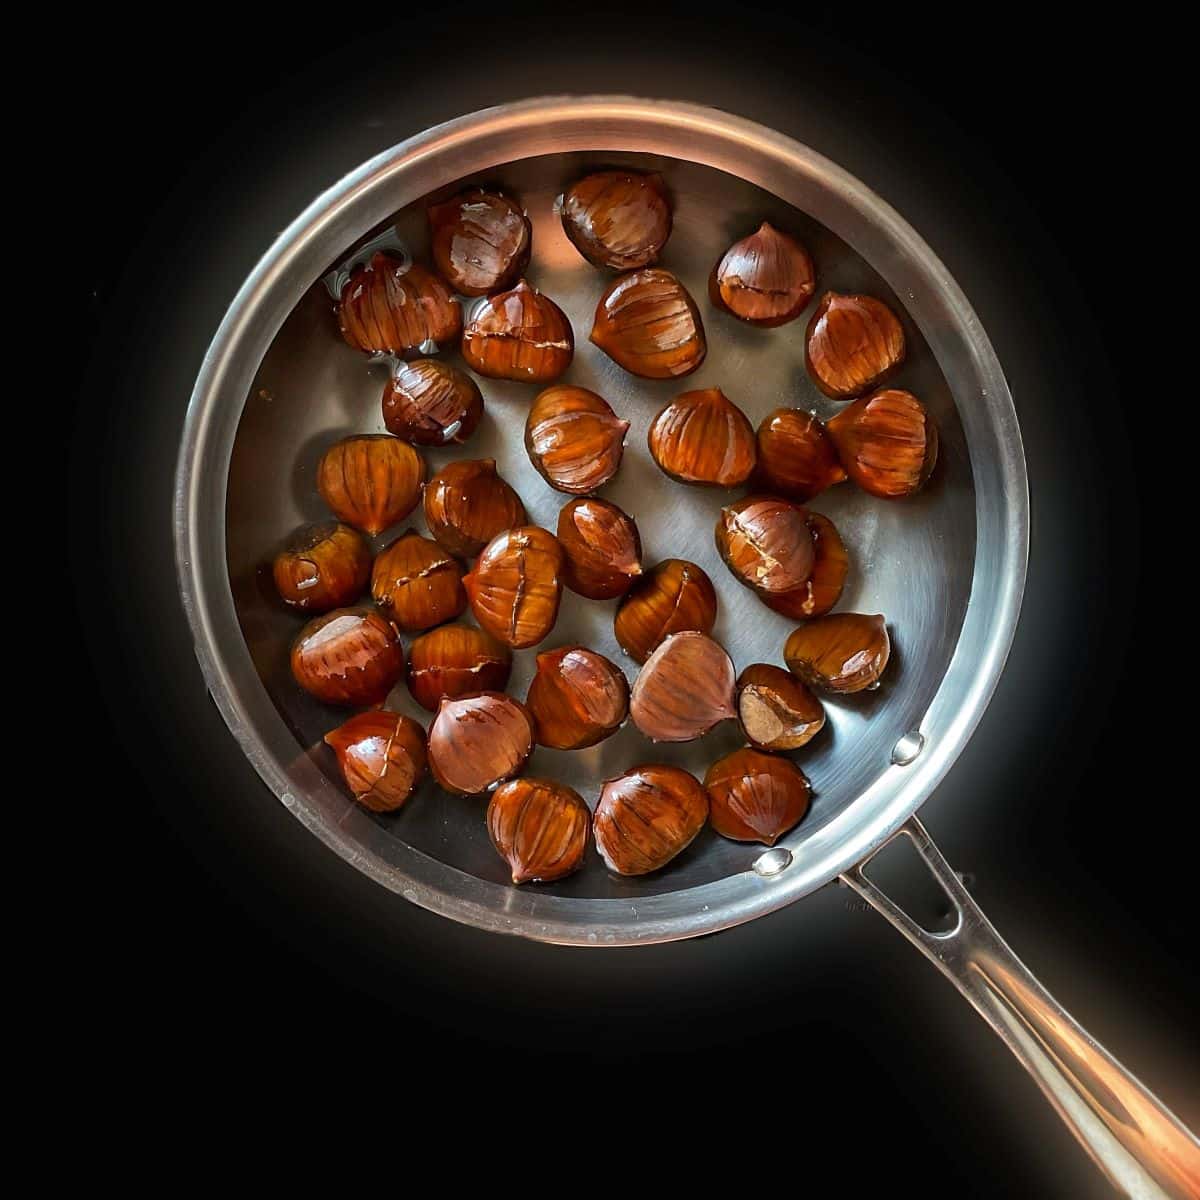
(313, 389)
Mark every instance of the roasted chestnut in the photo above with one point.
(647, 323)
(577, 698)
(389, 306)
(776, 710)
(467, 504)
(852, 343)
(520, 335)
(647, 816)
(796, 456)
(824, 585)
(478, 741)
(766, 279)
(755, 797)
(539, 827)
(602, 550)
(417, 583)
(382, 757)
(516, 585)
(431, 403)
(617, 219)
(574, 439)
(674, 596)
(841, 653)
(766, 543)
(370, 481)
(454, 661)
(703, 437)
(684, 688)
(480, 241)
(322, 567)
(350, 656)
(888, 443)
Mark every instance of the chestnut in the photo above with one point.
(776, 710)
(796, 456)
(851, 344)
(841, 653)
(478, 741)
(455, 661)
(574, 439)
(539, 827)
(322, 567)
(765, 279)
(480, 241)
(647, 323)
(602, 550)
(647, 816)
(370, 481)
(389, 306)
(766, 544)
(350, 656)
(431, 403)
(417, 584)
(824, 585)
(755, 797)
(382, 758)
(577, 698)
(467, 504)
(888, 443)
(675, 595)
(617, 219)
(520, 335)
(516, 585)
(702, 437)
(684, 688)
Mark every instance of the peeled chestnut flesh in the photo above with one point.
(647, 323)
(382, 758)
(453, 661)
(480, 241)
(322, 567)
(775, 709)
(370, 481)
(853, 342)
(683, 689)
(351, 656)
(841, 653)
(539, 827)
(888, 443)
(574, 439)
(577, 698)
(520, 335)
(755, 797)
(766, 544)
(467, 503)
(390, 306)
(602, 550)
(675, 596)
(796, 456)
(647, 816)
(617, 219)
(821, 591)
(702, 437)
(431, 403)
(417, 584)
(765, 279)
(478, 741)
(516, 586)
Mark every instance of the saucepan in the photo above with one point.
(946, 567)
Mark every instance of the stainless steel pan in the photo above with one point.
(947, 568)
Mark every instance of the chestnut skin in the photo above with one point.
(382, 758)
(766, 543)
(478, 741)
(683, 689)
(602, 549)
(323, 566)
(516, 586)
(617, 219)
(776, 710)
(574, 439)
(417, 584)
(888, 443)
(519, 335)
(796, 456)
(453, 661)
(853, 342)
(765, 279)
(467, 503)
(577, 698)
(647, 816)
(370, 481)
(755, 797)
(480, 241)
(389, 306)
(351, 656)
(648, 323)
(702, 437)
(841, 653)
(675, 595)
(823, 589)
(431, 403)
(539, 827)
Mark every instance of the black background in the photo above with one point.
(239, 954)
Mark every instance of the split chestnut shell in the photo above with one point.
(647, 323)
(647, 816)
(520, 335)
(389, 306)
(455, 661)
(823, 588)
(516, 586)
(539, 827)
(766, 543)
(574, 439)
(765, 279)
(417, 583)
(382, 758)
(776, 710)
(675, 595)
(480, 241)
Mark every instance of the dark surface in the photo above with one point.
(233, 946)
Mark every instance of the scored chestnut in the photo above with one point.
(888, 443)
(776, 710)
(539, 827)
(351, 656)
(431, 403)
(467, 503)
(766, 543)
(602, 550)
(476, 742)
(322, 567)
(617, 219)
(516, 585)
(755, 797)
(841, 653)
(765, 279)
(796, 456)
(821, 591)
(417, 584)
(382, 758)
(647, 816)
(454, 661)
(574, 439)
(684, 688)
(520, 335)
(389, 306)
(852, 343)
(480, 241)
(370, 481)
(702, 437)
(577, 698)
(647, 323)
(674, 596)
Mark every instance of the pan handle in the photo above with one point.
(1135, 1140)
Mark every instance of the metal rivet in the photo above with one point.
(773, 861)
(908, 747)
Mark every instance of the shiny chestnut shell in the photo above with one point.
(431, 403)
(683, 689)
(674, 596)
(852, 343)
(775, 709)
(322, 566)
(350, 656)
(602, 549)
(577, 698)
(370, 481)
(539, 827)
(647, 816)
(888, 443)
(823, 588)
(382, 758)
(766, 543)
(417, 584)
(796, 456)
(574, 439)
(755, 797)
(454, 661)
(516, 586)
(478, 741)
(480, 241)
(647, 323)
(389, 306)
(520, 335)
(702, 437)
(841, 653)
(617, 219)
(467, 503)
(765, 279)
